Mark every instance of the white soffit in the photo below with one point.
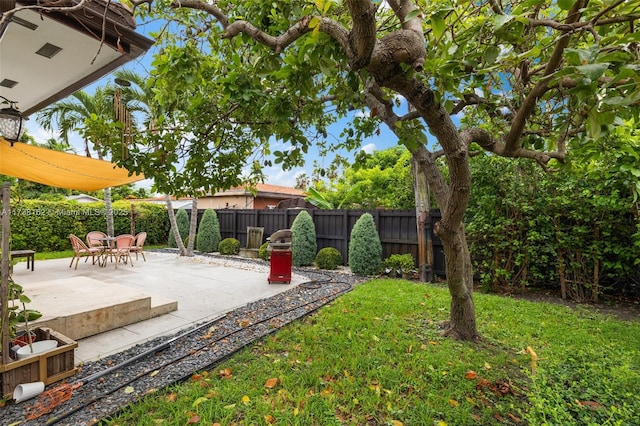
(37, 76)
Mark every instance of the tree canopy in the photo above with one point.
(530, 79)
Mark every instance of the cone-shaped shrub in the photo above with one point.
(365, 249)
(303, 240)
(182, 220)
(208, 237)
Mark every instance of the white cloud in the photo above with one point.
(369, 148)
(277, 176)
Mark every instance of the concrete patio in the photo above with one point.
(108, 310)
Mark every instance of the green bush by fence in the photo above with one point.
(552, 230)
(365, 249)
(303, 240)
(208, 238)
(182, 220)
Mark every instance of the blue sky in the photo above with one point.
(274, 175)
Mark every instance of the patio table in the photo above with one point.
(108, 243)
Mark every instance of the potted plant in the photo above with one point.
(17, 314)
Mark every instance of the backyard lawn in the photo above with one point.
(375, 357)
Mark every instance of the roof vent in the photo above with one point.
(24, 23)
(48, 50)
(8, 83)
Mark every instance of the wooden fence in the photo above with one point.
(397, 229)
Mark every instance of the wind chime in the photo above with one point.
(123, 116)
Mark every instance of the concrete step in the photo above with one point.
(79, 307)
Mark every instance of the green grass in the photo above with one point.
(375, 356)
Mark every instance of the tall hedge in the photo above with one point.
(182, 220)
(45, 225)
(365, 248)
(564, 231)
(303, 240)
(208, 237)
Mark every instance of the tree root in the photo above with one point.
(449, 331)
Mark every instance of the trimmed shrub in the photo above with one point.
(182, 220)
(263, 253)
(303, 240)
(328, 258)
(400, 263)
(208, 238)
(229, 246)
(365, 249)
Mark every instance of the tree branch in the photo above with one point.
(362, 38)
(512, 142)
(491, 144)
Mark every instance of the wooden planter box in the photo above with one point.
(48, 367)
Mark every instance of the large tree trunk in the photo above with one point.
(462, 320)
(452, 195)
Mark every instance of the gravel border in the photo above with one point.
(106, 386)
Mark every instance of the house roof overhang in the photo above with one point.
(47, 53)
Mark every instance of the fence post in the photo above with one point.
(423, 219)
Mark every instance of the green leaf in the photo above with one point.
(500, 21)
(593, 126)
(491, 54)
(412, 15)
(314, 22)
(593, 71)
(438, 25)
(565, 4)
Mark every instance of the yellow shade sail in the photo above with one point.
(60, 169)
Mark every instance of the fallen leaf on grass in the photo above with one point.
(269, 419)
(271, 383)
(224, 374)
(534, 360)
(515, 418)
(246, 399)
(594, 405)
(397, 423)
(193, 419)
(453, 403)
(470, 375)
(172, 397)
(199, 401)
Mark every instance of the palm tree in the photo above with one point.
(71, 115)
(140, 99)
